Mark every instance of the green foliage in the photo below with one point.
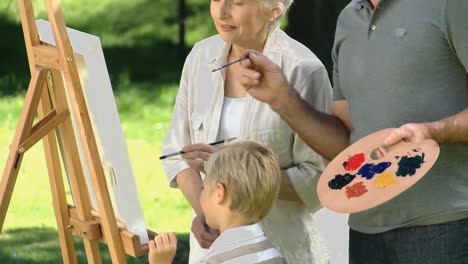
(123, 22)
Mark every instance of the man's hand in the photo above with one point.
(204, 235)
(264, 80)
(197, 154)
(162, 249)
(412, 132)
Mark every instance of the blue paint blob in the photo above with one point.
(341, 181)
(369, 170)
(407, 166)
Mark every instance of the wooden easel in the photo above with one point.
(46, 95)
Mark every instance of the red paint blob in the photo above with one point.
(354, 162)
(356, 190)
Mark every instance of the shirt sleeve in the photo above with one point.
(178, 134)
(337, 91)
(457, 29)
(315, 89)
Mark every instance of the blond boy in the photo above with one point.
(242, 182)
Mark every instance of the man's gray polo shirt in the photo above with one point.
(406, 62)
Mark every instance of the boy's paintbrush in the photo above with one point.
(182, 152)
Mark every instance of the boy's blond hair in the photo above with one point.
(251, 175)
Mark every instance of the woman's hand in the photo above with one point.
(204, 234)
(162, 249)
(197, 154)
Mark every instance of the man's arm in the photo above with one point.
(325, 133)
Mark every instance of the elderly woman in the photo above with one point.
(213, 106)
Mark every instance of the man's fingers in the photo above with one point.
(396, 135)
(246, 63)
(252, 74)
(262, 63)
(248, 82)
(249, 52)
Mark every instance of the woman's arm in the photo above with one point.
(287, 191)
(190, 183)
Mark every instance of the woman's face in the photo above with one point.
(241, 22)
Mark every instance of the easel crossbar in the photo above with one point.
(42, 128)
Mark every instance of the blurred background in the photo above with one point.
(145, 43)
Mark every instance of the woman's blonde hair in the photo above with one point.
(251, 175)
(283, 5)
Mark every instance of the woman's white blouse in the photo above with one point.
(231, 118)
(196, 119)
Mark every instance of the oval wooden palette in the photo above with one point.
(357, 180)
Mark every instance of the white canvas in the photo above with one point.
(105, 120)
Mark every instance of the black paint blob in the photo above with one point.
(341, 181)
(407, 166)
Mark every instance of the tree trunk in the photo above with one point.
(182, 16)
(313, 23)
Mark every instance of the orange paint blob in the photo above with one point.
(356, 190)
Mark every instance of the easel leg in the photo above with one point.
(10, 172)
(56, 184)
(75, 169)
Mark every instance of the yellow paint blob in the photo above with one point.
(384, 180)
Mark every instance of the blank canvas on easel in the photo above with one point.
(106, 126)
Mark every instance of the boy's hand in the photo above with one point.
(204, 234)
(162, 249)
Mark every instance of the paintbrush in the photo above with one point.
(231, 63)
(182, 152)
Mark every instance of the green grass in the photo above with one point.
(30, 227)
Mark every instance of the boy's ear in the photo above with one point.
(220, 193)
